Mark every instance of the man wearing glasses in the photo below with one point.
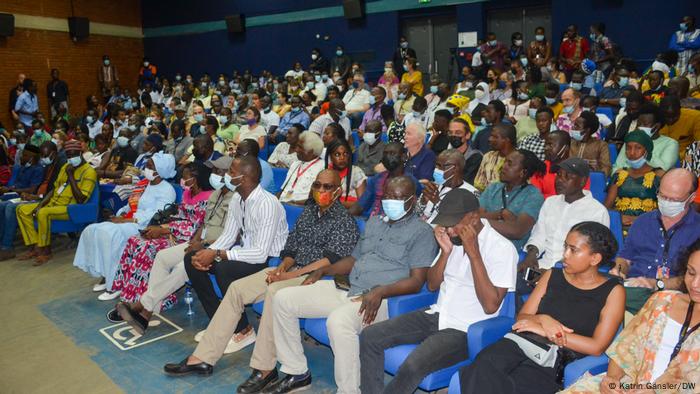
(324, 233)
(648, 261)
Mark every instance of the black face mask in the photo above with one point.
(490, 80)
(391, 163)
(455, 141)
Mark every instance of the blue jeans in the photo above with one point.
(8, 218)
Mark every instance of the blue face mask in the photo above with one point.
(216, 181)
(395, 209)
(434, 89)
(691, 69)
(74, 161)
(523, 61)
(296, 110)
(683, 26)
(484, 122)
(402, 96)
(532, 112)
(577, 135)
(198, 118)
(439, 176)
(372, 100)
(122, 141)
(576, 85)
(417, 114)
(355, 85)
(637, 164)
(624, 81)
(623, 102)
(502, 84)
(593, 37)
(550, 100)
(339, 53)
(568, 109)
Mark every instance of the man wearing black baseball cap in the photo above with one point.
(475, 269)
(571, 205)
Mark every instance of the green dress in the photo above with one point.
(635, 196)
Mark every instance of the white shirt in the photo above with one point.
(669, 338)
(430, 211)
(299, 178)
(156, 97)
(457, 302)
(268, 119)
(556, 219)
(356, 99)
(281, 155)
(319, 124)
(320, 90)
(94, 129)
(248, 134)
(422, 119)
(262, 223)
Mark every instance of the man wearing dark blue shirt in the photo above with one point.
(421, 160)
(28, 177)
(649, 258)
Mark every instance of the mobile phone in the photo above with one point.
(342, 282)
(532, 275)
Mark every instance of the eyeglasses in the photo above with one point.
(324, 186)
(660, 196)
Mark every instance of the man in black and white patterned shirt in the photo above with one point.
(535, 142)
(324, 233)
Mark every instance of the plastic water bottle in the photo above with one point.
(188, 300)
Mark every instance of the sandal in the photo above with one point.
(29, 255)
(40, 260)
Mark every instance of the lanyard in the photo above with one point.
(667, 244)
(301, 172)
(685, 332)
(504, 198)
(218, 202)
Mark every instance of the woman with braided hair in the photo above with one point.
(353, 180)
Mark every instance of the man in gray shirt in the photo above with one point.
(371, 151)
(179, 142)
(391, 259)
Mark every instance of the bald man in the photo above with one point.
(649, 258)
(334, 233)
(391, 258)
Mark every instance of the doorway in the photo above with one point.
(432, 38)
(507, 21)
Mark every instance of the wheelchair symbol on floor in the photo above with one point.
(126, 338)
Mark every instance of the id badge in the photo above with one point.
(663, 272)
(61, 189)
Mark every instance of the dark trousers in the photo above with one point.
(503, 368)
(225, 272)
(522, 288)
(437, 349)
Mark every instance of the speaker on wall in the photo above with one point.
(7, 25)
(235, 23)
(353, 9)
(78, 28)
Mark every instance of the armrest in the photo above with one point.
(410, 302)
(486, 332)
(83, 213)
(592, 364)
(274, 262)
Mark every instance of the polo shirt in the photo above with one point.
(526, 199)
(646, 241)
(457, 304)
(371, 199)
(319, 124)
(373, 113)
(29, 176)
(386, 252)
(356, 99)
(556, 219)
(421, 165)
(290, 118)
(299, 178)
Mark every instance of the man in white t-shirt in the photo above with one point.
(357, 100)
(268, 118)
(474, 270)
(335, 114)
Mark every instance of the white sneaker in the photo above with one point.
(234, 346)
(107, 295)
(198, 336)
(99, 287)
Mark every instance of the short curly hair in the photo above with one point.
(683, 261)
(600, 240)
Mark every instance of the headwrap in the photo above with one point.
(642, 139)
(165, 164)
(72, 145)
(484, 100)
(156, 140)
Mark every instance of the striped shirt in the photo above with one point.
(262, 224)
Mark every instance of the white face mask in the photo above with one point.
(150, 174)
(369, 138)
(672, 209)
(479, 93)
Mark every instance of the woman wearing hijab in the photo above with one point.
(481, 96)
(102, 244)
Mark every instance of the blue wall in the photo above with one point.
(641, 27)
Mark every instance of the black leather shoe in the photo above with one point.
(290, 384)
(113, 316)
(183, 369)
(135, 320)
(255, 382)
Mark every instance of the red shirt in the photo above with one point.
(575, 49)
(546, 183)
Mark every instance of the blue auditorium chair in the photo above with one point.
(279, 175)
(598, 183)
(80, 215)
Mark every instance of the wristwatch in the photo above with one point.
(660, 285)
(218, 258)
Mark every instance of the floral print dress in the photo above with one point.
(138, 256)
(635, 196)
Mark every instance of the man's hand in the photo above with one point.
(69, 172)
(371, 301)
(203, 259)
(194, 245)
(641, 282)
(529, 262)
(443, 240)
(627, 220)
(279, 277)
(470, 240)
(508, 216)
(3, 190)
(312, 278)
(616, 271)
(28, 196)
(430, 191)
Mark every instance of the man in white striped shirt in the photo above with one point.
(255, 229)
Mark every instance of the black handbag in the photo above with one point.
(164, 215)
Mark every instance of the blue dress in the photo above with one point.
(101, 244)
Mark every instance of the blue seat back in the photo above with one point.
(385, 137)
(279, 175)
(616, 227)
(178, 193)
(563, 87)
(355, 139)
(607, 111)
(612, 148)
(360, 224)
(13, 177)
(508, 307)
(598, 186)
(292, 213)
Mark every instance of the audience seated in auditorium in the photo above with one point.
(371, 150)
(459, 137)
(587, 147)
(502, 142)
(353, 180)
(301, 174)
(421, 160)
(493, 117)
(638, 355)
(475, 268)
(649, 259)
(665, 149)
(285, 153)
(574, 311)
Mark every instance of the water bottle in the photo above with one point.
(188, 300)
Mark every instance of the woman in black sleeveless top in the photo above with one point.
(576, 308)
